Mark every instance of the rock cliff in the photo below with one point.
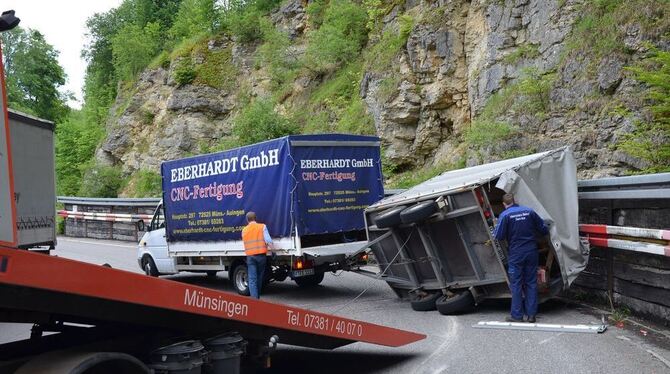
(475, 81)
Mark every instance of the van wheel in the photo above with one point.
(389, 218)
(457, 304)
(149, 266)
(424, 303)
(310, 280)
(418, 212)
(240, 279)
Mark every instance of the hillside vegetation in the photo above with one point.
(444, 84)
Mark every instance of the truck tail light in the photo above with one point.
(300, 263)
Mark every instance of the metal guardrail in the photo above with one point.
(650, 186)
(151, 201)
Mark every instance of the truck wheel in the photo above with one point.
(310, 280)
(461, 303)
(389, 218)
(418, 212)
(424, 303)
(240, 279)
(149, 266)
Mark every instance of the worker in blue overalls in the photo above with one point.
(519, 226)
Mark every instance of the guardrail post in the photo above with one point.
(610, 276)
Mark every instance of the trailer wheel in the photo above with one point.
(149, 266)
(310, 280)
(418, 212)
(460, 303)
(424, 303)
(240, 279)
(389, 218)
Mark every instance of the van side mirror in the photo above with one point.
(140, 225)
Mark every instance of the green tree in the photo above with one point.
(651, 139)
(101, 181)
(195, 17)
(33, 74)
(75, 144)
(276, 53)
(340, 37)
(100, 81)
(258, 121)
(133, 48)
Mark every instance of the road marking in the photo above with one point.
(550, 338)
(96, 243)
(449, 339)
(643, 347)
(661, 358)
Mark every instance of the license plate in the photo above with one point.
(302, 273)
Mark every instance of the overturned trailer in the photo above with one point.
(434, 242)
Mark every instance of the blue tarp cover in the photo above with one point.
(319, 183)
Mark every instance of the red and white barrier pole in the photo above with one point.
(599, 236)
(655, 249)
(111, 217)
(634, 232)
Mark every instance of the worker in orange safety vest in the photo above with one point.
(257, 242)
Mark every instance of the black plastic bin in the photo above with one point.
(225, 353)
(180, 358)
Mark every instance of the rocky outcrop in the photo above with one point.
(458, 55)
(162, 121)
(452, 66)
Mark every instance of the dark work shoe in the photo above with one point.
(531, 319)
(512, 319)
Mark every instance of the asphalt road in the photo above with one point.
(452, 345)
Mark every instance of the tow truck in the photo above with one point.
(95, 319)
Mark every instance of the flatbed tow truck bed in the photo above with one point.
(90, 304)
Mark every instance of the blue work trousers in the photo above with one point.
(522, 270)
(256, 269)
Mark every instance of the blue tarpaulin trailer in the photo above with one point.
(310, 191)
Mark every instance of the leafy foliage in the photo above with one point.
(277, 55)
(651, 139)
(195, 17)
(484, 132)
(184, 72)
(243, 18)
(603, 24)
(315, 11)
(101, 181)
(217, 69)
(524, 51)
(145, 183)
(340, 37)
(338, 105)
(75, 142)
(33, 75)
(258, 121)
(134, 47)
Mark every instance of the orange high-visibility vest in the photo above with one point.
(254, 241)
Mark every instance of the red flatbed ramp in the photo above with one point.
(73, 291)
